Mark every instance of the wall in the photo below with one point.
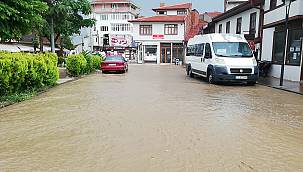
(268, 36)
(245, 22)
(158, 28)
(279, 13)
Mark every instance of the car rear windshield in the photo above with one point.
(232, 49)
(114, 58)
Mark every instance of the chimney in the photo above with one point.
(162, 4)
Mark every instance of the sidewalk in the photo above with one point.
(291, 86)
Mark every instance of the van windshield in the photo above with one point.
(232, 49)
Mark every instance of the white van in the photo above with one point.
(221, 57)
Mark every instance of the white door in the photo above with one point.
(140, 54)
(207, 57)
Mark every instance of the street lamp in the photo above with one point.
(287, 6)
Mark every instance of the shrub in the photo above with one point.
(76, 64)
(96, 61)
(24, 71)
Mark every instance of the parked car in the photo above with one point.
(114, 64)
(221, 58)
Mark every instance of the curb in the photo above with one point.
(282, 89)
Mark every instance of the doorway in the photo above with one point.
(165, 55)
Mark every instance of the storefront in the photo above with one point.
(293, 61)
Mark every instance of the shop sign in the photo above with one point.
(157, 36)
(121, 40)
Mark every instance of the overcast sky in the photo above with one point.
(200, 5)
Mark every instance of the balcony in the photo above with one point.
(117, 10)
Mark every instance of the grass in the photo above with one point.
(19, 97)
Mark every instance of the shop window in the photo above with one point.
(151, 50)
(278, 47)
(294, 47)
(171, 29)
(145, 29)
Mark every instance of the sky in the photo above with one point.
(200, 5)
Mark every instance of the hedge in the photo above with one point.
(23, 71)
(81, 64)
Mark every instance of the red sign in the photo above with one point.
(158, 36)
(252, 45)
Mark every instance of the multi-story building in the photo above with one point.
(229, 4)
(274, 39)
(112, 30)
(161, 38)
(243, 19)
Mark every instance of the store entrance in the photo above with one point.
(165, 55)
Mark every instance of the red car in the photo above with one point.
(114, 64)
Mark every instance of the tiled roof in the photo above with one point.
(175, 7)
(168, 18)
(213, 14)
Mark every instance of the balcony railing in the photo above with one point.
(117, 10)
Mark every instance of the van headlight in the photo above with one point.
(220, 61)
(255, 62)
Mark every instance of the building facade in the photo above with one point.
(112, 31)
(274, 39)
(246, 19)
(160, 39)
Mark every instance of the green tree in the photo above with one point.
(20, 17)
(68, 17)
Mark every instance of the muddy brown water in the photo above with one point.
(153, 119)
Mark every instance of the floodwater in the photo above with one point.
(153, 119)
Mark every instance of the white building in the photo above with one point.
(244, 19)
(161, 38)
(274, 41)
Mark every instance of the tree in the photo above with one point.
(68, 18)
(20, 17)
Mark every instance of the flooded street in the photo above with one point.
(153, 119)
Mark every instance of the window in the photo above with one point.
(232, 49)
(145, 29)
(104, 28)
(278, 47)
(190, 51)
(121, 27)
(162, 12)
(103, 17)
(151, 50)
(294, 47)
(114, 6)
(171, 29)
(239, 25)
(182, 12)
(253, 23)
(228, 27)
(273, 4)
(199, 48)
(220, 28)
(208, 50)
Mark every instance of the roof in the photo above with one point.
(212, 14)
(168, 18)
(175, 7)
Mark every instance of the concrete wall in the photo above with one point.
(279, 13)
(158, 29)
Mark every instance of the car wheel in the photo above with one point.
(210, 77)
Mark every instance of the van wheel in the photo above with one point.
(190, 72)
(210, 77)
